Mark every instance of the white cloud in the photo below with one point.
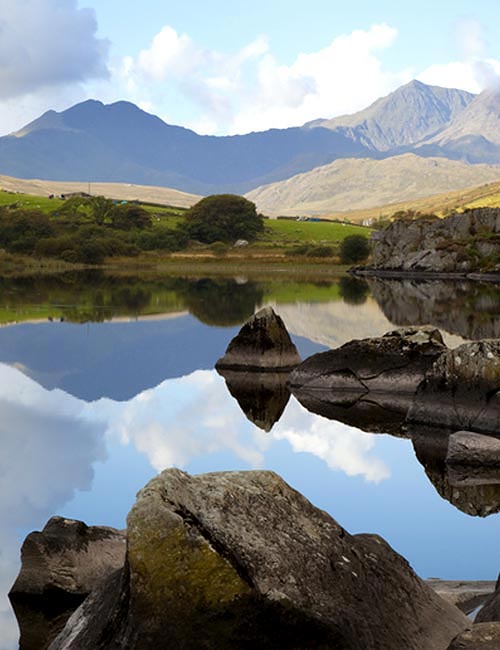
(47, 43)
(250, 90)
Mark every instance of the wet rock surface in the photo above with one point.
(263, 343)
(482, 636)
(393, 363)
(241, 560)
(60, 566)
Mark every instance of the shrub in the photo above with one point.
(354, 248)
(223, 217)
(320, 251)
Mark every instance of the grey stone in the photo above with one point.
(241, 560)
(263, 343)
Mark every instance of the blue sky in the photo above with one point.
(220, 68)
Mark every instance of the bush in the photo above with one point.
(354, 248)
(223, 217)
(320, 251)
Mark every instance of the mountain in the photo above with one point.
(406, 116)
(121, 143)
(474, 135)
(362, 183)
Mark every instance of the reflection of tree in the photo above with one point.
(221, 302)
(353, 290)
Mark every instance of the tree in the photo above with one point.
(354, 248)
(128, 216)
(223, 217)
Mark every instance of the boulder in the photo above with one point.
(394, 364)
(461, 390)
(262, 396)
(482, 636)
(263, 344)
(236, 560)
(60, 566)
(473, 459)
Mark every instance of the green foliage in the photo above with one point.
(219, 248)
(128, 216)
(223, 217)
(320, 251)
(353, 249)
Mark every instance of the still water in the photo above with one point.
(106, 381)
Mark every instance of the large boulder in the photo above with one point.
(237, 560)
(482, 636)
(393, 364)
(461, 390)
(473, 459)
(60, 566)
(491, 610)
(263, 344)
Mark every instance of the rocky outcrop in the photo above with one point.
(60, 566)
(394, 364)
(460, 391)
(467, 595)
(458, 244)
(263, 344)
(482, 636)
(241, 560)
(262, 396)
(473, 459)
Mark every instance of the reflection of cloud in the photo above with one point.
(341, 447)
(46, 453)
(50, 440)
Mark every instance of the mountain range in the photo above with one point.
(418, 140)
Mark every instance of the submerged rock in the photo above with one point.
(60, 566)
(482, 636)
(394, 363)
(237, 560)
(263, 343)
(262, 396)
(461, 390)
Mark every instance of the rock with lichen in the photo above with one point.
(235, 560)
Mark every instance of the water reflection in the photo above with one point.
(468, 309)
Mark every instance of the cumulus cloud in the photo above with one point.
(251, 90)
(48, 43)
(475, 71)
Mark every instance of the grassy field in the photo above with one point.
(287, 231)
(29, 201)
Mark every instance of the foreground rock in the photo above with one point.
(482, 636)
(461, 389)
(60, 566)
(392, 366)
(241, 560)
(263, 343)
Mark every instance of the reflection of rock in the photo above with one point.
(60, 566)
(460, 391)
(262, 344)
(478, 498)
(240, 560)
(394, 363)
(262, 396)
(467, 595)
(371, 412)
(473, 459)
(481, 636)
(469, 309)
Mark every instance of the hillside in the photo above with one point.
(356, 184)
(121, 191)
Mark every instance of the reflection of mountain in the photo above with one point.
(262, 396)
(468, 309)
(334, 323)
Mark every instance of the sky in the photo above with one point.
(223, 68)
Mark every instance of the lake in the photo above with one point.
(107, 380)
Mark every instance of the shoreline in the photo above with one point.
(402, 274)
